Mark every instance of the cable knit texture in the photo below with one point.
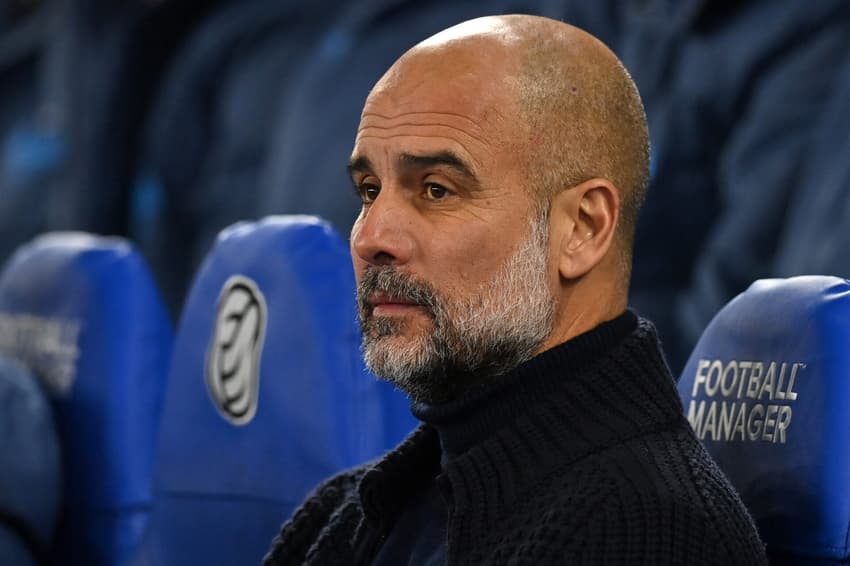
(580, 456)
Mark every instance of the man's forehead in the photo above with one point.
(440, 93)
(472, 127)
(466, 124)
(433, 87)
(442, 97)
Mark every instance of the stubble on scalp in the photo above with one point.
(582, 112)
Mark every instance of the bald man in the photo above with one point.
(501, 165)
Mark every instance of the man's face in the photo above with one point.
(450, 249)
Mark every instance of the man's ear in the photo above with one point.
(583, 221)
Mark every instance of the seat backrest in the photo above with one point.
(29, 468)
(767, 390)
(267, 393)
(82, 313)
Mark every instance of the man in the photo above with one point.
(501, 165)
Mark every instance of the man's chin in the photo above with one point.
(400, 344)
(388, 353)
(414, 325)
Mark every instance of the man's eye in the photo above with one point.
(368, 193)
(435, 192)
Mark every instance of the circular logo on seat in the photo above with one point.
(233, 356)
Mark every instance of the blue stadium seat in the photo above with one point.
(767, 391)
(267, 393)
(30, 472)
(82, 313)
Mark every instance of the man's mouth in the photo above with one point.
(384, 304)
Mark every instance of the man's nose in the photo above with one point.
(382, 234)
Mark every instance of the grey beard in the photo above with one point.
(473, 340)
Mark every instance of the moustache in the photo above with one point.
(397, 285)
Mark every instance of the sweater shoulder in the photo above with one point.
(666, 487)
(654, 499)
(298, 534)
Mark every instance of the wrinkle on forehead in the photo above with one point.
(406, 114)
(379, 125)
(427, 95)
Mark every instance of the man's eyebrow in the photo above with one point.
(444, 158)
(360, 164)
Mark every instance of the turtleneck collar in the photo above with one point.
(589, 394)
(470, 419)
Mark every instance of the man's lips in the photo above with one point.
(384, 304)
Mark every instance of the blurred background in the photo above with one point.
(165, 121)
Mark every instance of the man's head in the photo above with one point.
(501, 164)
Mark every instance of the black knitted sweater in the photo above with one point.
(580, 456)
